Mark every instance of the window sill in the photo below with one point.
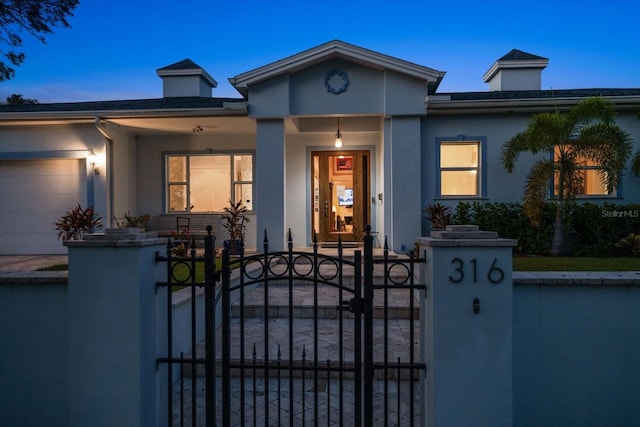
(595, 197)
(461, 198)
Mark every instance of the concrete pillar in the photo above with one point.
(467, 328)
(115, 335)
(270, 184)
(402, 182)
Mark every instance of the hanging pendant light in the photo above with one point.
(338, 141)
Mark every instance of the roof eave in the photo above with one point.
(228, 109)
(442, 106)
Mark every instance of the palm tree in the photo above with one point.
(586, 132)
(635, 161)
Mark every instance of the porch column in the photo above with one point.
(467, 328)
(402, 182)
(270, 184)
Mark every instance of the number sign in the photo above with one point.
(494, 274)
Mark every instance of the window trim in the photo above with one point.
(482, 157)
(188, 155)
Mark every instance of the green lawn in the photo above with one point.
(181, 270)
(56, 267)
(547, 263)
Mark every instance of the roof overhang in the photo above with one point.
(231, 118)
(443, 104)
(231, 108)
(336, 49)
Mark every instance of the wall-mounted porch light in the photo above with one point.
(92, 159)
(338, 141)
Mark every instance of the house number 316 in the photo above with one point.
(494, 275)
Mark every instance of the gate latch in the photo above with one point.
(351, 305)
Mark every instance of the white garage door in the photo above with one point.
(33, 195)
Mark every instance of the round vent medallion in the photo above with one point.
(336, 81)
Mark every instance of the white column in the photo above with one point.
(270, 184)
(467, 328)
(402, 196)
(114, 332)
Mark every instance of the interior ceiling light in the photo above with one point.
(338, 141)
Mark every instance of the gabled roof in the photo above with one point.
(186, 67)
(336, 49)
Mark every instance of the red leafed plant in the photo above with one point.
(78, 222)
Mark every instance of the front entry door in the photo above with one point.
(341, 194)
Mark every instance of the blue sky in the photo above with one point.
(113, 49)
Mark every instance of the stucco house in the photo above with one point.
(403, 145)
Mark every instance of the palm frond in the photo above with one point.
(537, 188)
(511, 149)
(593, 109)
(635, 163)
(608, 147)
(544, 131)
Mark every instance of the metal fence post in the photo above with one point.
(209, 303)
(368, 327)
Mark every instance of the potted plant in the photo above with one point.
(131, 221)
(439, 215)
(235, 223)
(78, 222)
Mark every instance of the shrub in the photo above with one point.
(510, 221)
(439, 215)
(141, 221)
(592, 229)
(595, 229)
(78, 222)
(629, 246)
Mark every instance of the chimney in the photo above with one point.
(517, 70)
(186, 78)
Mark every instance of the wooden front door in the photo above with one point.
(341, 194)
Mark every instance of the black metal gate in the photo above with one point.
(300, 338)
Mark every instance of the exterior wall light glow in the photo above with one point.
(92, 160)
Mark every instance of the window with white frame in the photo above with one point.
(199, 183)
(459, 168)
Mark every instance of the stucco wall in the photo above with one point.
(122, 174)
(500, 185)
(575, 354)
(576, 346)
(364, 93)
(149, 181)
(34, 364)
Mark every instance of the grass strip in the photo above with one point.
(549, 263)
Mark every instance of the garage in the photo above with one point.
(33, 195)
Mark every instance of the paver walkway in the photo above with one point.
(334, 406)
